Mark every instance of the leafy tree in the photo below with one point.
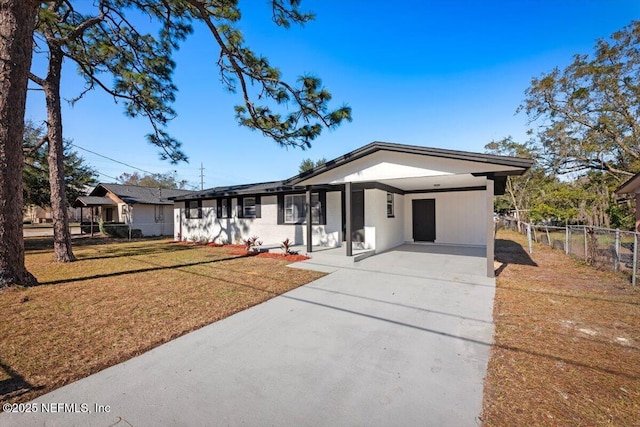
(105, 42)
(308, 164)
(78, 175)
(17, 21)
(520, 190)
(156, 180)
(588, 113)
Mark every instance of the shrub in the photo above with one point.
(286, 247)
(251, 244)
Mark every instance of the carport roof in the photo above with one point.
(516, 162)
(518, 166)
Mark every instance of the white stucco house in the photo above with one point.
(377, 197)
(147, 209)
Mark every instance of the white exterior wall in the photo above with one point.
(461, 217)
(387, 165)
(380, 232)
(144, 218)
(266, 228)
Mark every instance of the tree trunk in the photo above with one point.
(61, 235)
(17, 21)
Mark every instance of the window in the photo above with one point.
(223, 208)
(193, 209)
(390, 205)
(159, 213)
(249, 207)
(295, 209)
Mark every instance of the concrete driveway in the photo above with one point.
(388, 341)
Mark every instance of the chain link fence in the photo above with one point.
(603, 248)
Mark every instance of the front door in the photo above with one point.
(424, 220)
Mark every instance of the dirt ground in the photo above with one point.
(567, 342)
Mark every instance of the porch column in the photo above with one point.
(490, 229)
(347, 202)
(81, 220)
(309, 222)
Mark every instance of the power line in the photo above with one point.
(113, 160)
(108, 176)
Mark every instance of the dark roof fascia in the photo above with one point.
(518, 162)
(218, 192)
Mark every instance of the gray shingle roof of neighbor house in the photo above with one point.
(133, 194)
(290, 184)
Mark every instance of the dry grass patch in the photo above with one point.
(119, 300)
(567, 342)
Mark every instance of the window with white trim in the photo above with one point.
(390, 205)
(295, 208)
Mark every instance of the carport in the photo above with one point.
(395, 194)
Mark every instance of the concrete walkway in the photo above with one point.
(390, 341)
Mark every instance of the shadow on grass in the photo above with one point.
(15, 385)
(157, 267)
(509, 252)
(130, 251)
(127, 248)
(568, 295)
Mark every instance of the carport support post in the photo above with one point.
(309, 221)
(347, 209)
(490, 227)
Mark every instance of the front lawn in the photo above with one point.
(119, 300)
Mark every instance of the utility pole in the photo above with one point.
(201, 176)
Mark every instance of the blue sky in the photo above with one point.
(447, 74)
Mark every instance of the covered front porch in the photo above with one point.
(95, 209)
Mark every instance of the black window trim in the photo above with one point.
(322, 198)
(258, 206)
(219, 213)
(187, 210)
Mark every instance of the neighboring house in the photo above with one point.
(376, 197)
(632, 186)
(145, 208)
(38, 215)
